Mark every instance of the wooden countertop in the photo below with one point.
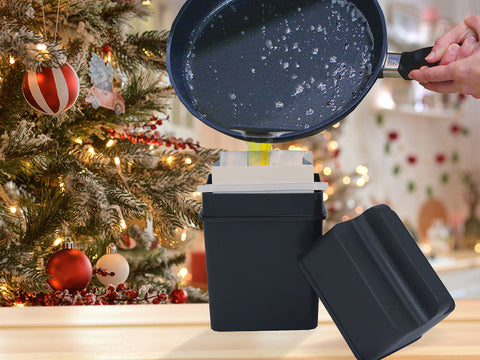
(183, 332)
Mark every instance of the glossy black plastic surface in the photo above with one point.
(412, 60)
(376, 284)
(252, 244)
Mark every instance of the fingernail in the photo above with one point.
(467, 16)
(430, 56)
(470, 41)
(454, 49)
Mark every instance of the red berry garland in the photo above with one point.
(149, 134)
(109, 296)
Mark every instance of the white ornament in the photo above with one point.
(114, 266)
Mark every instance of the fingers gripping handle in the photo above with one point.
(400, 65)
(414, 60)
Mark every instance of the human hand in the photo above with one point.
(459, 68)
(466, 34)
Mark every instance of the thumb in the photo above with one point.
(473, 22)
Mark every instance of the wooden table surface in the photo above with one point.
(183, 332)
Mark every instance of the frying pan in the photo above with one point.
(278, 70)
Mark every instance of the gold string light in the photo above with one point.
(42, 47)
(332, 145)
(183, 272)
(361, 182)
(297, 148)
(3, 289)
(361, 169)
(477, 247)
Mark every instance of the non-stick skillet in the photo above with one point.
(278, 70)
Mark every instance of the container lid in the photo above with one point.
(286, 172)
(271, 204)
(376, 284)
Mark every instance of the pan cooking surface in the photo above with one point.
(278, 65)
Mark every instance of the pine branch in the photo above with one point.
(21, 12)
(97, 22)
(22, 141)
(132, 153)
(146, 49)
(20, 269)
(144, 94)
(20, 43)
(12, 225)
(155, 262)
(43, 217)
(196, 295)
(96, 204)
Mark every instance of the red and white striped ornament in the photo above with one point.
(51, 91)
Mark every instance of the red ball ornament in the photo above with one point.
(51, 91)
(332, 209)
(178, 295)
(455, 128)
(392, 135)
(70, 269)
(412, 159)
(106, 48)
(440, 158)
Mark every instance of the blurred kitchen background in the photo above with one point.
(415, 150)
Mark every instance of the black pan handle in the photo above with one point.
(400, 65)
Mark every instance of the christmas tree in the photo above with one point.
(87, 169)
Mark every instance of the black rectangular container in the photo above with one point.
(376, 284)
(252, 244)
